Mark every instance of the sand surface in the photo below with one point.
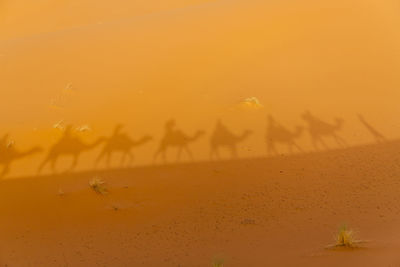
(265, 74)
(252, 212)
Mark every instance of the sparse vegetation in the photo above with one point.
(345, 238)
(98, 185)
(218, 263)
(61, 192)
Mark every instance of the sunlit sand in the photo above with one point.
(199, 133)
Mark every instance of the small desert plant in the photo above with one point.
(345, 238)
(218, 263)
(61, 192)
(98, 186)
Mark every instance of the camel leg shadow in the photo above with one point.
(293, 144)
(340, 141)
(52, 161)
(163, 156)
(188, 152)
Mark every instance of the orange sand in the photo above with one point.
(142, 63)
(254, 212)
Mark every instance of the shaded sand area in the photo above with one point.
(194, 61)
(279, 211)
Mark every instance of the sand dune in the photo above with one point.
(296, 102)
(279, 211)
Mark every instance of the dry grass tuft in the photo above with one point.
(98, 186)
(218, 263)
(61, 192)
(345, 239)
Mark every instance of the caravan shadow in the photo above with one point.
(222, 137)
(120, 143)
(176, 138)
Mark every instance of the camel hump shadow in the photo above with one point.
(222, 137)
(176, 138)
(379, 138)
(9, 153)
(120, 142)
(68, 145)
(319, 129)
(277, 133)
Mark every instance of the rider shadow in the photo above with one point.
(222, 137)
(122, 143)
(278, 134)
(176, 138)
(9, 153)
(319, 130)
(379, 138)
(68, 145)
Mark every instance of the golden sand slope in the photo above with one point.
(256, 212)
(142, 63)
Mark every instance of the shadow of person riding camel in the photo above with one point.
(68, 145)
(9, 154)
(319, 129)
(276, 133)
(122, 143)
(178, 139)
(222, 137)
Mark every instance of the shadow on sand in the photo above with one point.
(121, 143)
(338, 157)
(9, 153)
(319, 130)
(68, 145)
(276, 133)
(222, 137)
(176, 138)
(379, 138)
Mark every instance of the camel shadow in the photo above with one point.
(68, 145)
(120, 143)
(9, 154)
(379, 138)
(176, 138)
(319, 129)
(222, 137)
(276, 133)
